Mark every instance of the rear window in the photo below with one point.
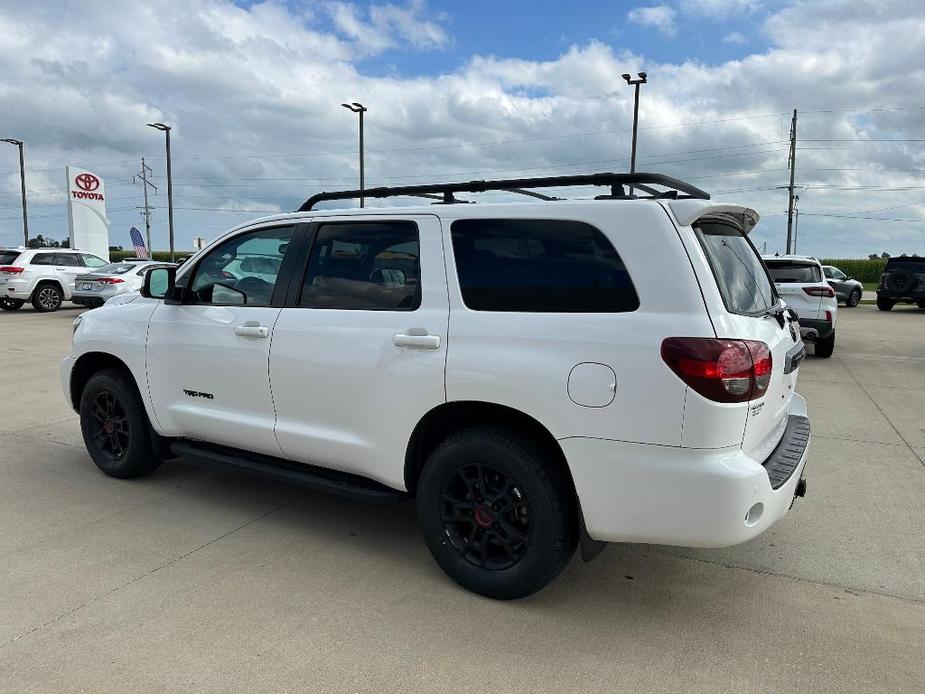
(794, 273)
(905, 265)
(540, 266)
(115, 269)
(8, 257)
(740, 275)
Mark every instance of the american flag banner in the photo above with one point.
(140, 250)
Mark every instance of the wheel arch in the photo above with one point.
(90, 363)
(48, 280)
(450, 417)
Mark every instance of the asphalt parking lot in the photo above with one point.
(193, 580)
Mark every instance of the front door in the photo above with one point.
(358, 354)
(208, 358)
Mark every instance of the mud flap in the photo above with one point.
(590, 547)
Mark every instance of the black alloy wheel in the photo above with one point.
(111, 432)
(486, 517)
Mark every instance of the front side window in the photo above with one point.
(371, 266)
(788, 272)
(539, 266)
(242, 270)
(740, 275)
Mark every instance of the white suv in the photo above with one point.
(538, 375)
(801, 283)
(44, 276)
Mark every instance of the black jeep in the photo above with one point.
(903, 279)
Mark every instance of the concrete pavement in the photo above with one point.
(191, 580)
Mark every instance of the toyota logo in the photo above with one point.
(87, 181)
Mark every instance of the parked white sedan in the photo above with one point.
(93, 289)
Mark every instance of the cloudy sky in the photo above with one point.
(458, 91)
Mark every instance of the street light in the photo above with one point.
(357, 107)
(635, 82)
(166, 129)
(22, 183)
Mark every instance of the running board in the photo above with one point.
(310, 476)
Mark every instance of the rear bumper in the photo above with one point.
(680, 496)
(16, 289)
(812, 329)
(916, 295)
(88, 300)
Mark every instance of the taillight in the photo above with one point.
(721, 370)
(12, 269)
(109, 280)
(820, 291)
(828, 316)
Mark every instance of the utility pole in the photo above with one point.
(359, 108)
(22, 183)
(793, 166)
(166, 131)
(146, 210)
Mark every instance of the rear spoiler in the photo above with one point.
(686, 212)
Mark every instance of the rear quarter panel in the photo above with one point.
(524, 360)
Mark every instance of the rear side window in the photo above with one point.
(44, 259)
(794, 273)
(539, 266)
(8, 257)
(740, 275)
(373, 266)
(68, 259)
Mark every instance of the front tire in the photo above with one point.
(8, 304)
(497, 512)
(854, 298)
(825, 347)
(885, 304)
(47, 298)
(115, 427)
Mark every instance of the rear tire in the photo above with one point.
(854, 298)
(46, 298)
(497, 512)
(825, 348)
(885, 304)
(115, 427)
(8, 304)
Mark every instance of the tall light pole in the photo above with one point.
(166, 129)
(357, 107)
(22, 183)
(641, 79)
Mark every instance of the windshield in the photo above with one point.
(789, 272)
(8, 257)
(739, 272)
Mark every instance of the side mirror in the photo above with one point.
(159, 283)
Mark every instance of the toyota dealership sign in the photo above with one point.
(86, 212)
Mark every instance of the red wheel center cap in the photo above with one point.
(107, 426)
(484, 517)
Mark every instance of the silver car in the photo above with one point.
(846, 289)
(93, 289)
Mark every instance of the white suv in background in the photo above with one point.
(802, 284)
(44, 276)
(523, 370)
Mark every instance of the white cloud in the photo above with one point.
(388, 26)
(254, 95)
(735, 37)
(661, 17)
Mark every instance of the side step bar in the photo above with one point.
(310, 476)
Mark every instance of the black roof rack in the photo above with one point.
(676, 189)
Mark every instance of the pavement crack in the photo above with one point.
(166, 564)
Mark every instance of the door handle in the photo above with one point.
(416, 338)
(252, 329)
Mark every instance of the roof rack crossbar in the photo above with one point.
(616, 181)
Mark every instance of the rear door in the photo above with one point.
(359, 350)
(748, 300)
(67, 267)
